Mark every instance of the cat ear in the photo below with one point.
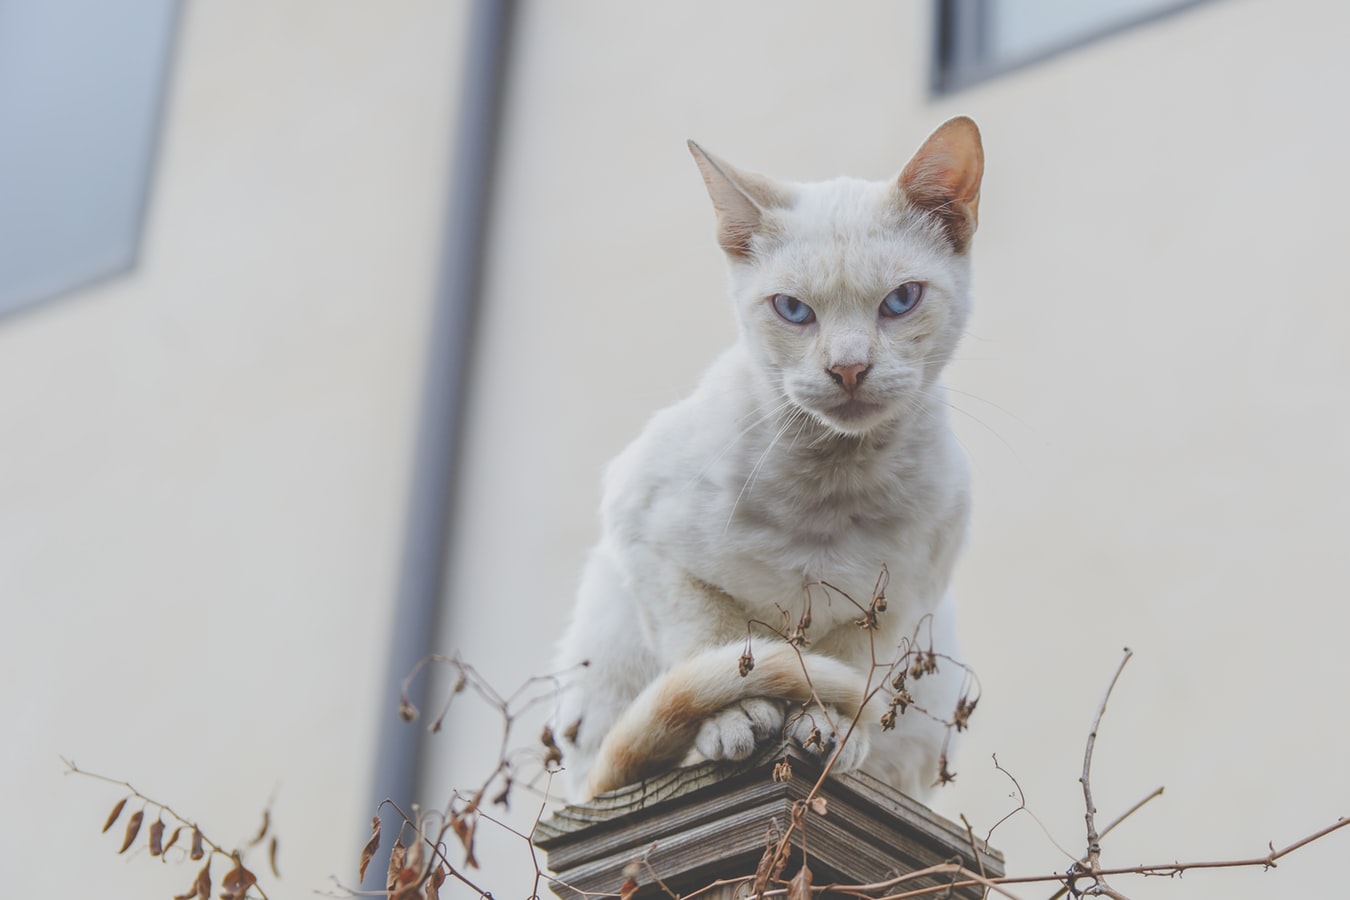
(740, 199)
(943, 178)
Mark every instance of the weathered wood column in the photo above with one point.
(694, 826)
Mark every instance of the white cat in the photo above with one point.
(816, 449)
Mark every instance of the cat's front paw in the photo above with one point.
(736, 731)
(818, 731)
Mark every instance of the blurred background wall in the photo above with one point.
(208, 459)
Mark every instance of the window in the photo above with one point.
(81, 84)
(980, 38)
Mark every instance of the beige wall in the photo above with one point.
(205, 462)
(204, 477)
(1152, 390)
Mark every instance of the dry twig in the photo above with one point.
(1094, 846)
(237, 883)
(419, 869)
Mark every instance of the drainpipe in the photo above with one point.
(448, 355)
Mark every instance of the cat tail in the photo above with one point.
(658, 728)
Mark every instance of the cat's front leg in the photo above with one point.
(685, 616)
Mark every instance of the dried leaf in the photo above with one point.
(112, 816)
(770, 868)
(818, 805)
(899, 703)
(432, 891)
(397, 857)
(371, 848)
(464, 829)
(406, 710)
(815, 739)
(272, 857)
(203, 884)
(945, 776)
(415, 855)
(197, 851)
(133, 829)
(964, 708)
(173, 838)
(571, 733)
(799, 888)
(262, 832)
(746, 664)
(628, 889)
(552, 752)
(405, 886)
(157, 837)
(503, 799)
(236, 882)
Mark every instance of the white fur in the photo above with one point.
(734, 504)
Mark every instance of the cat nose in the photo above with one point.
(850, 376)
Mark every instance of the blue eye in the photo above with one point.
(902, 299)
(792, 309)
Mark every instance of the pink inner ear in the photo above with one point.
(944, 178)
(950, 162)
(738, 198)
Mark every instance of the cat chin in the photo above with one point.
(855, 418)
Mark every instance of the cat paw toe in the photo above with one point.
(735, 732)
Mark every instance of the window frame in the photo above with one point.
(962, 57)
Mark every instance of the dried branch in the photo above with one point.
(913, 659)
(417, 869)
(974, 847)
(973, 879)
(1107, 830)
(1094, 847)
(1022, 808)
(239, 880)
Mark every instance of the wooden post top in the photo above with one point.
(694, 826)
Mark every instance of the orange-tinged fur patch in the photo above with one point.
(633, 750)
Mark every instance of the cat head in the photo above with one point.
(852, 295)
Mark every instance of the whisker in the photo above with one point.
(987, 427)
(726, 448)
(803, 420)
(754, 471)
(991, 403)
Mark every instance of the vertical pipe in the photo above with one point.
(448, 358)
